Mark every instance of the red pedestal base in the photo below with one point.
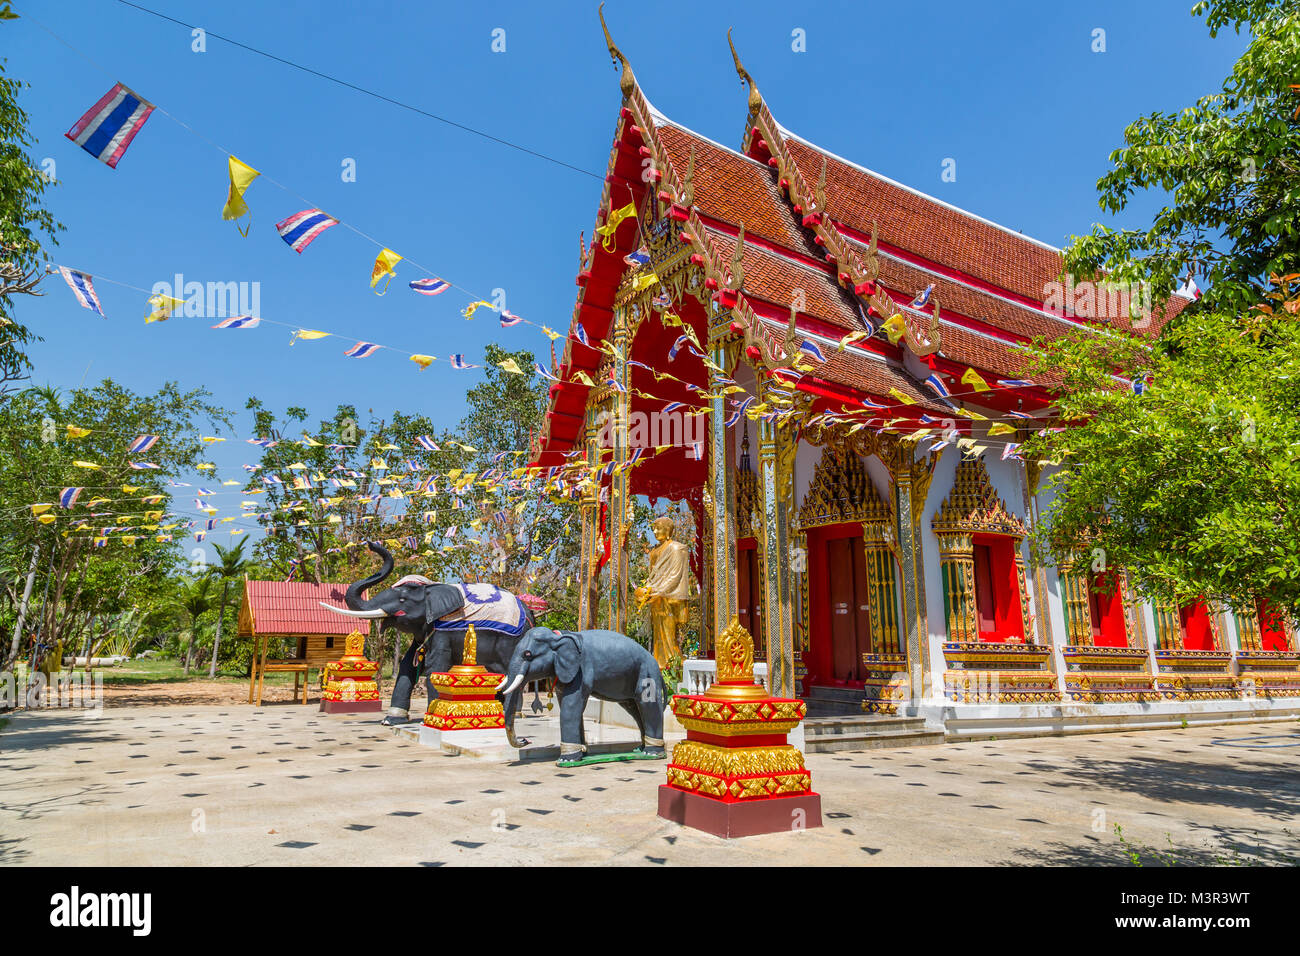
(351, 706)
(746, 818)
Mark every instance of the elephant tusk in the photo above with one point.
(519, 679)
(372, 613)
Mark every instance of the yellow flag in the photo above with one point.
(511, 366)
(612, 222)
(473, 307)
(41, 509)
(85, 464)
(241, 177)
(424, 361)
(307, 334)
(75, 432)
(850, 339)
(552, 334)
(583, 378)
(894, 327)
(644, 282)
(899, 396)
(46, 519)
(163, 307)
(206, 466)
(972, 378)
(1001, 428)
(384, 263)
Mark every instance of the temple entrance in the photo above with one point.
(838, 605)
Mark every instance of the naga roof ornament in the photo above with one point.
(626, 82)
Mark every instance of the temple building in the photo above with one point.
(857, 350)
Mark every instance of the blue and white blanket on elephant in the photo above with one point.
(487, 606)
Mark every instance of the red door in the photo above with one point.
(985, 601)
(1197, 633)
(749, 598)
(1272, 632)
(839, 616)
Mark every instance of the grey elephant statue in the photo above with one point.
(603, 664)
(437, 616)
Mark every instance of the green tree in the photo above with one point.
(231, 565)
(23, 221)
(194, 598)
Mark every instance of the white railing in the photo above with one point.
(699, 673)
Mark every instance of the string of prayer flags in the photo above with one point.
(163, 307)
(300, 229)
(107, 128)
(83, 289)
(306, 334)
(384, 266)
(241, 177)
(473, 307)
(612, 222)
(430, 286)
(424, 361)
(972, 378)
(239, 322)
(362, 350)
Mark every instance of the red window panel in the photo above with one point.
(1106, 604)
(1198, 635)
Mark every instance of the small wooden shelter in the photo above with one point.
(291, 609)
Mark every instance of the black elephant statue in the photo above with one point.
(604, 664)
(437, 616)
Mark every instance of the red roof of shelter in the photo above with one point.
(293, 607)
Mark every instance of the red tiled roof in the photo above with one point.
(292, 607)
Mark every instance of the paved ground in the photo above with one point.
(283, 784)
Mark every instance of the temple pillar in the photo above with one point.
(910, 486)
(774, 538)
(619, 500)
(723, 539)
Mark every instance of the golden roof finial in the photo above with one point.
(626, 82)
(755, 100)
(737, 259)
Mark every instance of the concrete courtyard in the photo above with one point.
(282, 784)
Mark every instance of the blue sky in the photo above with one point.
(1014, 94)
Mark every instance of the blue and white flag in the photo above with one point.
(1015, 383)
(142, 444)
(509, 319)
(936, 383)
(239, 322)
(302, 227)
(142, 465)
(68, 496)
(83, 289)
(809, 347)
(458, 361)
(677, 346)
(638, 258)
(430, 286)
(362, 350)
(107, 128)
(581, 335)
(427, 443)
(544, 372)
(922, 297)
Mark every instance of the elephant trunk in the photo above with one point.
(353, 597)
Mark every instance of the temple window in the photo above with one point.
(1094, 608)
(1190, 627)
(1263, 629)
(985, 596)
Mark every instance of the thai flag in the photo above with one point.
(83, 289)
(1015, 383)
(427, 443)
(362, 350)
(1010, 451)
(697, 448)
(614, 383)
(239, 322)
(677, 346)
(1020, 415)
(809, 347)
(142, 465)
(936, 383)
(458, 361)
(868, 403)
(302, 227)
(673, 406)
(430, 286)
(1139, 386)
(107, 128)
(638, 258)
(509, 319)
(68, 496)
(922, 297)
(543, 372)
(142, 444)
(581, 335)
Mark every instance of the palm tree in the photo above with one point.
(233, 565)
(193, 601)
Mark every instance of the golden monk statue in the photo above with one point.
(666, 590)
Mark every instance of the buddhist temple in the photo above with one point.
(855, 353)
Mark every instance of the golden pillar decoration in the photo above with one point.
(467, 694)
(725, 605)
(734, 774)
(774, 537)
(351, 685)
(619, 513)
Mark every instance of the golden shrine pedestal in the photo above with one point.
(735, 775)
(467, 695)
(350, 685)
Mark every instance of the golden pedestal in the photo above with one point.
(735, 774)
(466, 695)
(350, 685)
